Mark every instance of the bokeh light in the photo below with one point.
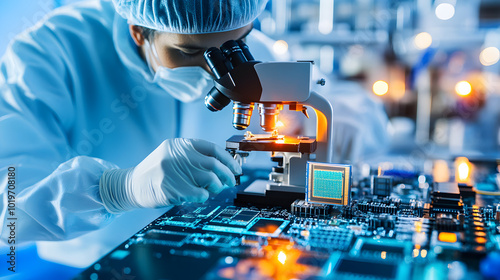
(280, 47)
(423, 40)
(489, 56)
(380, 87)
(445, 11)
(463, 88)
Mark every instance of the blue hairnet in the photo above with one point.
(190, 16)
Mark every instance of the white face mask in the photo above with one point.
(186, 83)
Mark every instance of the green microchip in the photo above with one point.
(328, 184)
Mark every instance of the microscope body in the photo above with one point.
(270, 86)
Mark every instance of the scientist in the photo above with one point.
(99, 106)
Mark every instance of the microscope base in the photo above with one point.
(259, 195)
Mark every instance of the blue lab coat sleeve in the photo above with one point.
(56, 192)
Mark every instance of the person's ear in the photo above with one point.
(136, 33)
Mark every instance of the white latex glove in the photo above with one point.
(179, 170)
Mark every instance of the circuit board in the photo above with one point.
(395, 226)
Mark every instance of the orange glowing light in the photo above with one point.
(463, 88)
(267, 229)
(481, 234)
(380, 87)
(480, 240)
(398, 89)
(440, 171)
(279, 124)
(448, 237)
(383, 255)
(418, 227)
(263, 267)
(227, 272)
(463, 170)
(423, 253)
(282, 257)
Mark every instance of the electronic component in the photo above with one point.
(389, 206)
(365, 269)
(373, 236)
(301, 208)
(447, 222)
(372, 249)
(269, 226)
(180, 221)
(232, 217)
(328, 183)
(448, 237)
(259, 226)
(446, 197)
(206, 211)
(467, 192)
(208, 239)
(381, 185)
(330, 239)
(161, 237)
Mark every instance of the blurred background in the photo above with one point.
(433, 63)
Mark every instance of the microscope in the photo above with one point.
(270, 86)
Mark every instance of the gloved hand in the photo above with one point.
(179, 170)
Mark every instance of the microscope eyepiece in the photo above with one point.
(246, 51)
(230, 55)
(233, 52)
(216, 61)
(215, 100)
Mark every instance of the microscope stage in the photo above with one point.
(287, 144)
